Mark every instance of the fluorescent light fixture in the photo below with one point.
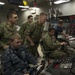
(61, 1)
(23, 6)
(2, 3)
(23, 9)
(34, 8)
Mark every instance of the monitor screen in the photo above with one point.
(17, 2)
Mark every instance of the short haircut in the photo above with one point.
(41, 14)
(50, 29)
(10, 12)
(60, 21)
(14, 36)
(29, 16)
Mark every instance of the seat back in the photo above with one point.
(46, 52)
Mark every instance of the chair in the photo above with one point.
(46, 53)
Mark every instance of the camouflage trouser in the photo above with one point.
(69, 50)
(1, 50)
(63, 53)
(33, 50)
(57, 54)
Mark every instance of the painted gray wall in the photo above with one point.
(68, 8)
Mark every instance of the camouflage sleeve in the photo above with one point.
(30, 29)
(1, 36)
(6, 65)
(22, 30)
(30, 58)
(50, 44)
(57, 43)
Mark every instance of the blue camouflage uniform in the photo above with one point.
(16, 61)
